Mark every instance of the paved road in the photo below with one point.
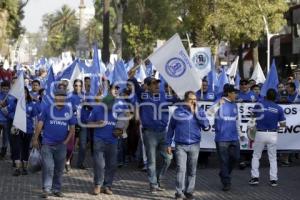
(131, 183)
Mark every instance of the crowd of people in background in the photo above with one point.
(75, 120)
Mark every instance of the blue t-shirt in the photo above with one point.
(292, 97)
(268, 114)
(207, 96)
(56, 124)
(31, 112)
(105, 133)
(246, 96)
(226, 122)
(3, 117)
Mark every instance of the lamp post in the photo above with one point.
(180, 20)
(269, 36)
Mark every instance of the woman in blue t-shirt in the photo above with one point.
(21, 140)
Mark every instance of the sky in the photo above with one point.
(35, 10)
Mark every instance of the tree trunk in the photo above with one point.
(241, 62)
(119, 10)
(255, 56)
(105, 50)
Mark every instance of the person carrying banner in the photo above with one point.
(186, 124)
(227, 135)
(268, 115)
(58, 124)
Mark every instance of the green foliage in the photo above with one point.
(12, 13)
(240, 21)
(138, 41)
(152, 20)
(94, 32)
(63, 31)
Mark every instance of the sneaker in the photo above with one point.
(178, 196)
(17, 172)
(189, 196)
(97, 190)
(226, 187)
(45, 194)
(108, 191)
(153, 190)
(68, 168)
(254, 181)
(160, 187)
(285, 164)
(273, 183)
(242, 165)
(58, 194)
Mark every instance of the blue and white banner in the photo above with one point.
(288, 137)
(201, 58)
(173, 63)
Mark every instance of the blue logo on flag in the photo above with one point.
(175, 67)
(200, 59)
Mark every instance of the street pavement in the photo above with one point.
(131, 183)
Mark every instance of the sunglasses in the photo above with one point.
(78, 86)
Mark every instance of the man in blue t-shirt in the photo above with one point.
(58, 124)
(268, 115)
(227, 135)
(245, 94)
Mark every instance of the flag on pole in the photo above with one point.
(258, 74)
(75, 75)
(231, 72)
(173, 63)
(18, 92)
(212, 77)
(222, 81)
(237, 81)
(271, 81)
(201, 58)
(119, 73)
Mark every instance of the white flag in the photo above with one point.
(75, 75)
(173, 63)
(258, 74)
(231, 72)
(201, 58)
(17, 91)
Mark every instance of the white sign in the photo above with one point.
(201, 58)
(288, 138)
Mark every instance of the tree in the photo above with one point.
(106, 27)
(94, 32)
(11, 15)
(153, 19)
(63, 31)
(242, 21)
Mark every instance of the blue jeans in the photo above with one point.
(105, 163)
(156, 141)
(53, 158)
(186, 160)
(5, 131)
(122, 150)
(82, 145)
(229, 154)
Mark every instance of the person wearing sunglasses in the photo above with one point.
(245, 94)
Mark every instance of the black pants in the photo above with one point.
(20, 144)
